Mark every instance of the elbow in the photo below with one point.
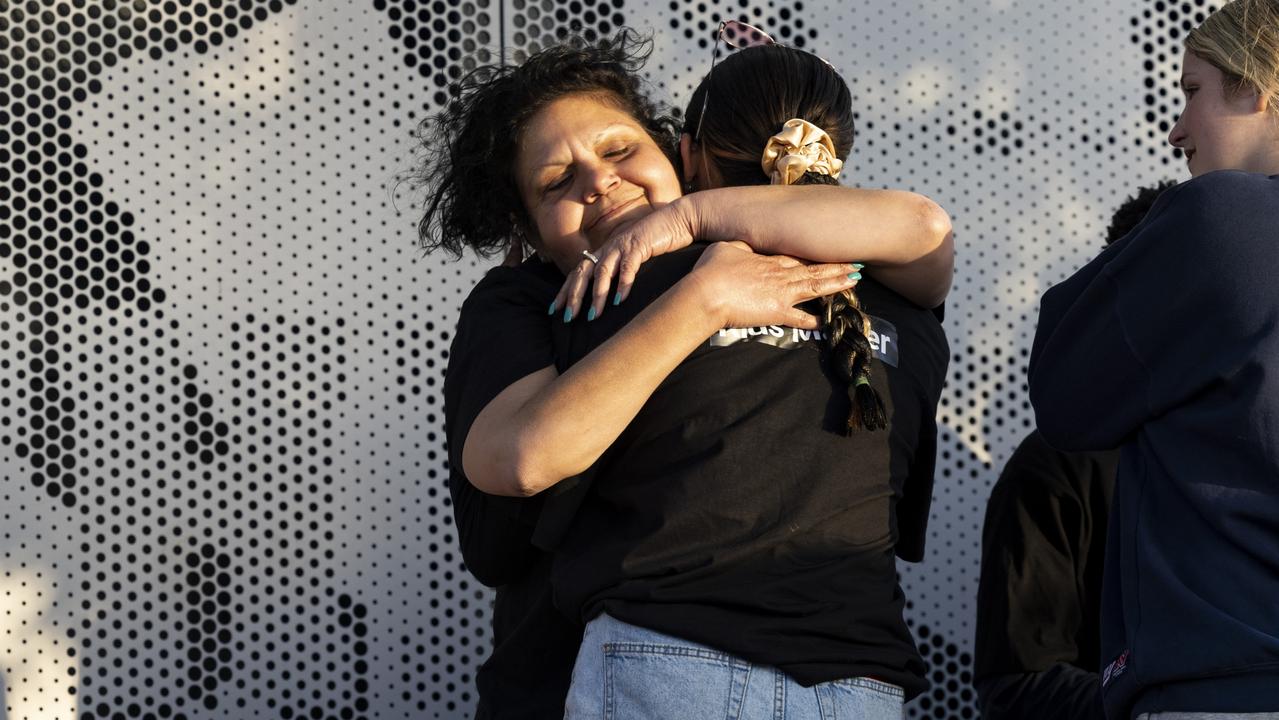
(937, 249)
(936, 222)
(526, 473)
(1054, 418)
(1071, 437)
(511, 471)
(530, 468)
(1055, 433)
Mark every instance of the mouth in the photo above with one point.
(1189, 154)
(614, 211)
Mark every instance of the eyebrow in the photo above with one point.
(537, 169)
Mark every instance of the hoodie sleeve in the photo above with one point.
(1157, 317)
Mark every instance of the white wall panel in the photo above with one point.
(222, 472)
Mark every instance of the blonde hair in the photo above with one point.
(1242, 41)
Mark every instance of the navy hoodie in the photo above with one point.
(1167, 345)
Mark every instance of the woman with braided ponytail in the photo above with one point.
(740, 535)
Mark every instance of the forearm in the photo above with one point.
(556, 427)
(904, 238)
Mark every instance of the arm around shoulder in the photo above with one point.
(547, 427)
(905, 239)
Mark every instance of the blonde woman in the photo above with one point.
(1168, 346)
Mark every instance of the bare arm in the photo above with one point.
(903, 238)
(547, 427)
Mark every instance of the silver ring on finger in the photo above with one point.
(591, 256)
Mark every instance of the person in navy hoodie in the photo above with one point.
(1167, 346)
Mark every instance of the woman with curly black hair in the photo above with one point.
(561, 153)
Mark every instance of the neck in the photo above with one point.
(1268, 158)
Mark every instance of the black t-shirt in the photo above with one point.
(732, 512)
(503, 335)
(1039, 601)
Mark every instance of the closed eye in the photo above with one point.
(558, 183)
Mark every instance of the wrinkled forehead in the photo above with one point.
(572, 121)
(567, 117)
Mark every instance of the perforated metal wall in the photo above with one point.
(221, 456)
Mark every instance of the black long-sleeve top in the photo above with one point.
(1039, 600)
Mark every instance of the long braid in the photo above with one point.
(848, 354)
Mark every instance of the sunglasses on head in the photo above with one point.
(739, 35)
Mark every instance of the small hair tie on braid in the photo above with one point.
(848, 355)
(868, 411)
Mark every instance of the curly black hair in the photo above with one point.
(1134, 210)
(469, 149)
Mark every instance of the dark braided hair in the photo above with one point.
(752, 93)
(469, 148)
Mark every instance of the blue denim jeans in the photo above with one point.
(624, 672)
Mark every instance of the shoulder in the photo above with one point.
(1226, 188)
(1221, 226)
(503, 332)
(1226, 201)
(514, 285)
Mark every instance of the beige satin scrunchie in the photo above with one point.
(800, 147)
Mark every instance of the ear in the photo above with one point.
(1262, 104)
(686, 157)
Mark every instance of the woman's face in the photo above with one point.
(1221, 130)
(584, 169)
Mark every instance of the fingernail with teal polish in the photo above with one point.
(552, 310)
(617, 298)
(858, 266)
(590, 315)
(854, 276)
(568, 314)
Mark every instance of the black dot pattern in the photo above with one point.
(222, 469)
(788, 23)
(534, 24)
(442, 40)
(1159, 31)
(951, 675)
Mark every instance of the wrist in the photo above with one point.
(688, 222)
(698, 300)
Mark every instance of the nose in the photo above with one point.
(600, 179)
(1177, 136)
